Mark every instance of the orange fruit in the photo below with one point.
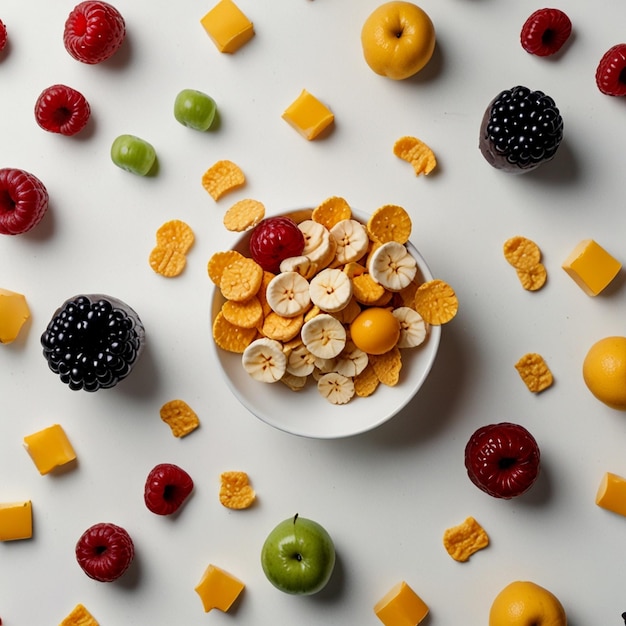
(604, 371)
(375, 330)
(524, 603)
(398, 39)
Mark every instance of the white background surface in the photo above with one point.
(387, 496)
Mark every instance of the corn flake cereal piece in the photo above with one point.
(281, 328)
(79, 616)
(177, 234)
(261, 293)
(521, 253)
(366, 290)
(247, 314)
(332, 211)
(534, 278)
(366, 383)
(241, 279)
(180, 417)
(535, 372)
(235, 490)
(219, 261)
(167, 261)
(230, 337)
(387, 366)
(417, 153)
(244, 215)
(465, 539)
(389, 223)
(436, 302)
(222, 177)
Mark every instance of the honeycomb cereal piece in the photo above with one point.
(366, 383)
(281, 328)
(534, 278)
(331, 211)
(534, 371)
(219, 261)
(465, 539)
(436, 302)
(241, 279)
(222, 177)
(417, 153)
(235, 490)
(167, 261)
(243, 215)
(180, 417)
(387, 366)
(230, 337)
(366, 290)
(247, 314)
(521, 253)
(177, 234)
(79, 616)
(389, 223)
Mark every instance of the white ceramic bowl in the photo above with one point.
(306, 413)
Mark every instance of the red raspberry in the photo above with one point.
(611, 72)
(167, 487)
(93, 31)
(104, 552)
(3, 35)
(275, 239)
(61, 109)
(545, 32)
(23, 201)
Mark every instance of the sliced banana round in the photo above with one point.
(324, 336)
(300, 361)
(413, 328)
(352, 241)
(392, 266)
(300, 264)
(352, 360)
(336, 388)
(295, 383)
(288, 294)
(317, 240)
(331, 290)
(265, 360)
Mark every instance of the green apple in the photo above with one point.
(195, 109)
(133, 154)
(298, 556)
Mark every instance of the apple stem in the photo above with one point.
(295, 517)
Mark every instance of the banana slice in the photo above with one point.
(324, 336)
(352, 361)
(392, 266)
(331, 290)
(352, 241)
(412, 327)
(300, 361)
(300, 264)
(336, 388)
(265, 360)
(317, 241)
(288, 294)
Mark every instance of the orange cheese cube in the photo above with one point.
(14, 313)
(49, 448)
(401, 606)
(218, 589)
(16, 520)
(79, 616)
(612, 493)
(227, 26)
(591, 267)
(308, 115)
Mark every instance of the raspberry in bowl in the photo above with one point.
(93, 341)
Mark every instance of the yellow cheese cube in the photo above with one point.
(591, 267)
(308, 115)
(14, 313)
(612, 493)
(16, 520)
(218, 589)
(49, 448)
(79, 616)
(227, 26)
(401, 606)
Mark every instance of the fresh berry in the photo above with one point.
(167, 487)
(61, 109)
(104, 552)
(502, 460)
(545, 32)
(3, 35)
(521, 130)
(275, 239)
(23, 201)
(611, 72)
(92, 342)
(94, 31)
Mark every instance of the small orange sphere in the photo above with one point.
(375, 330)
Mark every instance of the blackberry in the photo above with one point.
(521, 129)
(93, 341)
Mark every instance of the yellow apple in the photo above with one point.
(398, 39)
(524, 603)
